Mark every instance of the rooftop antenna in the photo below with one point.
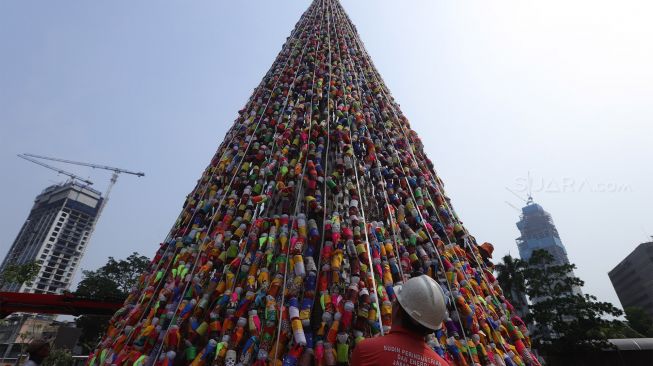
(530, 189)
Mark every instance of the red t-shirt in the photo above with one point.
(398, 348)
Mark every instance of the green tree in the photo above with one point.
(19, 273)
(114, 280)
(59, 357)
(639, 320)
(565, 321)
(510, 274)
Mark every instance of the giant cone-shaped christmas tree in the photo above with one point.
(318, 201)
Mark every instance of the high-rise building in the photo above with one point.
(632, 278)
(55, 235)
(538, 232)
(320, 199)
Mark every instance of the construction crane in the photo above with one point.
(114, 176)
(112, 182)
(60, 171)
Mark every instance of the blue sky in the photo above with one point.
(494, 89)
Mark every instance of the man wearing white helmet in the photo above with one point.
(418, 311)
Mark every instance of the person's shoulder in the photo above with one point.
(437, 357)
(371, 343)
(365, 351)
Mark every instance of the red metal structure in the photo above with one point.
(70, 304)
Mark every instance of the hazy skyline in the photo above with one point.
(561, 90)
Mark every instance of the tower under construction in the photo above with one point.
(55, 236)
(538, 232)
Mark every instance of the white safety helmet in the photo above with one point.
(423, 300)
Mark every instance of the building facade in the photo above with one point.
(55, 235)
(538, 232)
(19, 330)
(632, 278)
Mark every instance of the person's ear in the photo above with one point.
(395, 308)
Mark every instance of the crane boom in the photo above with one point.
(112, 181)
(96, 166)
(60, 171)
